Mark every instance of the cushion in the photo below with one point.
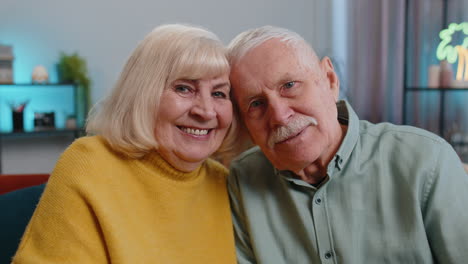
(17, 208)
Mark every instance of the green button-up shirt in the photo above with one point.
(393, 194)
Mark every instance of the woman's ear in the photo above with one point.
(332, 77)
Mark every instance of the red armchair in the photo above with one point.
(14, 182)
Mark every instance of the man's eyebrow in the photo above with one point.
(246, 101)
(286, 78)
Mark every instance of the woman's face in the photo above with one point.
(193, 119)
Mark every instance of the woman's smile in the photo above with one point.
(195, 131)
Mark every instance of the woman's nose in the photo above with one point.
(204, 107)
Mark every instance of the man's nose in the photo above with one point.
(279, 112)
(204, 107)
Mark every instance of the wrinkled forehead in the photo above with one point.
(270, 63)
(293, 49)
(275, 51)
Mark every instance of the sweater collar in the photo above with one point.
(153, 161)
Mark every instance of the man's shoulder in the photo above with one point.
(406, 145)
(252, 159)
(400, 133)
(252, 154)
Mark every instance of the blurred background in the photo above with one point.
(385, 52)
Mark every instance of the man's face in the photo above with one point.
(287, 99)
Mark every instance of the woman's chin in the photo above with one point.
(195, 156)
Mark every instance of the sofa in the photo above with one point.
(19, 195)
(11, 182)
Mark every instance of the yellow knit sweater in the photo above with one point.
(99, 207)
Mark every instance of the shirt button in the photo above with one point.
(318, 200)
(328, 255)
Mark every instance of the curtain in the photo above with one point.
(442, 112)
(375, 51)
(391, 45)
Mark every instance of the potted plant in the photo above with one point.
(72, 68)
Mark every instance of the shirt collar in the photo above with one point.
(346, 116)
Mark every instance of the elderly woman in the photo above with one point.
(143, 190)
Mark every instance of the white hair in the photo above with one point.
(248, 40)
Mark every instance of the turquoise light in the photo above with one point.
(58, 99)
(29, 53)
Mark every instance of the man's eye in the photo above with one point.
(256, 103)
(219, 94)
(289, 84)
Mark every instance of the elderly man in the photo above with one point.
(323, 186)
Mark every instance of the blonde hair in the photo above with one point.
(126, 117)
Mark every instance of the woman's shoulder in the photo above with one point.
(214, 167)
(85, 155)
(90, 147)
(89, 144)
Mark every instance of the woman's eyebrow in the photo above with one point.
(192, 81)
(222, 85)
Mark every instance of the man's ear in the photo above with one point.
(332, 77)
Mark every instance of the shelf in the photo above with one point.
(2, 85)
(459, 144)
(408, 89)
(45, 132)
(62, 98)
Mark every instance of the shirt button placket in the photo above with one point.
(318, 201)
(321, 227)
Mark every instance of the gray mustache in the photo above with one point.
(292, 128)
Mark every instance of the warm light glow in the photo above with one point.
(452, 53)
(462, 63)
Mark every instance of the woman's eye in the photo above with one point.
(289, 84)
(182, 88)
(219, 94)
